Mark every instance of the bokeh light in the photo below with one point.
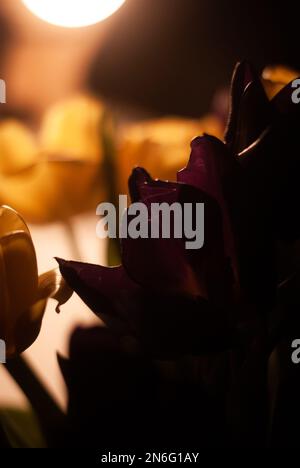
(73, 13)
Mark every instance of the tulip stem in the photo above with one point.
(50, 416)
(69, 228)
(4, 442)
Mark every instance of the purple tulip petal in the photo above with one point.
(142, 186)
(108, 291)
(209, 169)
(165, 264)
(138, 178)
(166, 325)
(208, 165)
(250, 110)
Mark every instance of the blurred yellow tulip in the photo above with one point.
(276, 77)
(160, 145)
(17, 147)
(59, 173)
(23, 294)
(72, 129)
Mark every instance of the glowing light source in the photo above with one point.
(73, 13)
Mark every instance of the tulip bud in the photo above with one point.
(23, 295)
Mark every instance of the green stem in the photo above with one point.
(4, 442)
(50, 416)
(72, 240)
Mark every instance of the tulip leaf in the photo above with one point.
(52, 284)
(21, 428)
(110, 170)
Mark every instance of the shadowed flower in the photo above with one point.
(174, 300)
(262, 135)
(108, 379)
(23, 294)
(160, 282)
(104, 378)
(233, 293)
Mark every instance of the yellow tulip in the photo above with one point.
(12, 159)
(59, 173)
(23, 294)
(72, 129)
(160, 145)
(276, 77)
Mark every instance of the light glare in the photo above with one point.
(73, 13)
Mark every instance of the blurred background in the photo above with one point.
(164, 56)
(151, 58)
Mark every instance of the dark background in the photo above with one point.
(171, 55)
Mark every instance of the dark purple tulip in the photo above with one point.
(178, 300)
(174, 300)
(226, 295)
(264, 139)
(250, 109)
(119, 398)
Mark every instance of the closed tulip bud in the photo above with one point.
(23, 294)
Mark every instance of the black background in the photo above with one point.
(171, 55)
